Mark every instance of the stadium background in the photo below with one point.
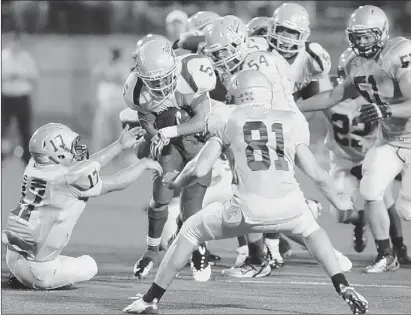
(68, 39)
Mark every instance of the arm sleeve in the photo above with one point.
(84, 179)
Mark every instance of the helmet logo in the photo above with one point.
(166, 48)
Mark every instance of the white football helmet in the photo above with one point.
(368, 22)
(257, 26)
(56, 143)
(201, 20)
(156, 65)
(289, 28)
(249, 86)
(226, 43)
(146, 39)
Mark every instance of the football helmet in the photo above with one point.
(146, 39)
(201, 20)
(257, 26)
(368, 30)
(156, 65)
(56, 143)
(341, 66)
(226, 43)
(288, 28)
(249, 86)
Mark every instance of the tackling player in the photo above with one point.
(57, 183)
(160, 85)
(265, 143)
(379, 69)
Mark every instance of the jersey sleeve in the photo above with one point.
(198, 73)
(84, 179)
(256, 43)
(399, 58)
(302, 130)
(216, 122)
(319, 60)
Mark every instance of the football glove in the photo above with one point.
(158, 142)
(372, 112)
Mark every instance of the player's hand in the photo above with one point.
(150, 164)
(158, 142)
(169, 178)
(343, 203)
(129, 137)
(373, 112)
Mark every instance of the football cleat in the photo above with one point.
(143, 266)
(249, 270)
(360, 236)
(383, 263)
(402, 255)
(274, 257)
(212, 258)
(139, 306)
(14, 283)
(357, 303)
(199, 264)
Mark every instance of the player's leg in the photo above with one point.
(170, 161)
(216, 221)
(381, 165)
(320, 247)
(404, 207)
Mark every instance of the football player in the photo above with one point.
(265, 143)
(160, 85)
(378, 68)
(228, 46)
(57, 183)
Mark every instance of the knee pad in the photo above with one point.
(89, 266)
(369, 191)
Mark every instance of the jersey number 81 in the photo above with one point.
(261, 145)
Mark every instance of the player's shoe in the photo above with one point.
(284, 247)
(212, 258)
(249, 270)
(141, 307)
(360, 235)
(383, 263)
(402, 255)
(274, 257)
(242, 254)
(199, 264)
(344, 261)
(143, 266)
(357, 303)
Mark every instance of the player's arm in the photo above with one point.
(306, 161)
(200, 166)
(326, 99)
(127, 139)
(125, 177)
(147, 121)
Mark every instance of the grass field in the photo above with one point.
(113, 228)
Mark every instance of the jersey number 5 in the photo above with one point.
(261, 145)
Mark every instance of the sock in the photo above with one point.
(256, 251)
(156, 222)
(383, 247)
(338, 280)
(241, 241)
(155, 292)
(397, 242)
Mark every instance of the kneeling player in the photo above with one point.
(265, 144)
(57, 183)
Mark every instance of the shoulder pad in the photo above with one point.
(257, 43)
(197, 71)
(78, 174)
(396, 55)
(344, 60)
(321, 60)
(132, 90)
